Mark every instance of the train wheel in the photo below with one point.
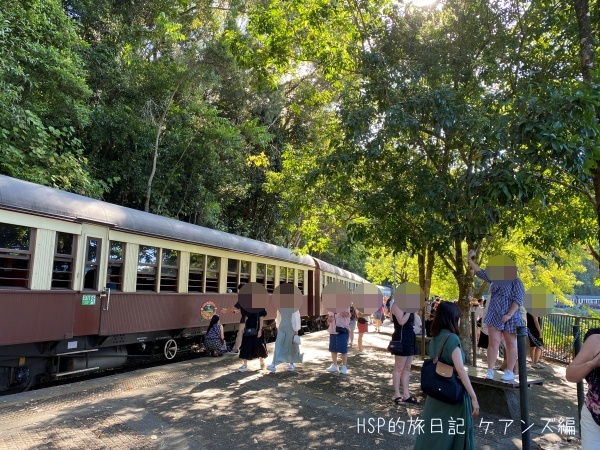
(170, 349)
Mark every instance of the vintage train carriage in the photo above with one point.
(84, 283)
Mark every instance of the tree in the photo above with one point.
(165, 119)
(43, 97)
(426, 135)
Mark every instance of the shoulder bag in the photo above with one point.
(440, 381)
(340, 330)
(252, 332)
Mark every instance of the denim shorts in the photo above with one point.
(338, 343)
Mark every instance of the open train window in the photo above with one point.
(290, 275)
(260, 274)
(114, 271)
(237, 272)
(270, 279)
(196, 275)
(233, 274)
(212, 274)
(301, 280)
(62, 269)
(146, 271)
(168, 270)
(15, 256)
(92, 263)
(245, 272)
(282, 274)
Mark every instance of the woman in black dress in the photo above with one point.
(403, 331)
(253, 345)
(535, 340)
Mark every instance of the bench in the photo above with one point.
(499, 397)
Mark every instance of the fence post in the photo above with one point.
(576, 350)
(524, 394)
(474, 338)
(423, 318)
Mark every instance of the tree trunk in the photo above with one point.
(464, 278)
(586, 47)
(465, 290)
(586, 51)
(426, 261)
(159, 130)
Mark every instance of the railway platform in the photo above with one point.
(205, 404)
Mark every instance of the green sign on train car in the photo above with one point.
(88, 300)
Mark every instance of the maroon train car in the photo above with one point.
(85, 284)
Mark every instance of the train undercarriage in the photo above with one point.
(27, 365)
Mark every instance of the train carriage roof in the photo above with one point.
(23, 196)
(341, 272)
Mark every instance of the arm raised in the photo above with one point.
(587, 359)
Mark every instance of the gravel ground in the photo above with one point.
(206, 403)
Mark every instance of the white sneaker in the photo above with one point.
(508, 376)
(361, 353)
(291, 367)
(333, 369)
(343, 370)
(243, 368)
(490, 374)
(272, 368)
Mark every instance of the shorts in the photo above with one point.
(352, 324)
(483, 341)
(377, 316)
(363, 327)
(338, 343)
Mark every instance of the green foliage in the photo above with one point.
(43, 97)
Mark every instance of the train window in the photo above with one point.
(233, 271)
(92, 263)
(290, 275)
(146, 271)
(282, 274)
(168, 270)
(62, 270)
(270, 279)
(245, 272)
(260, 274)
(15, 256)
(196, 277)
(114, 271)
(301, 280)
(212, 274)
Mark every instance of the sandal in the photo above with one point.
(411, 400)
(398, 400)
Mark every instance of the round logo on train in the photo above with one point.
(207, 310)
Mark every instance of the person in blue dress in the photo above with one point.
(214, 341)
(503, 316)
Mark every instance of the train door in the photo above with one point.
(311, 293)
(91, 257)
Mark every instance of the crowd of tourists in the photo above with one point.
(497, 320)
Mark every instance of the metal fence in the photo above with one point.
(557, 331)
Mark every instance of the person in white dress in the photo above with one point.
(286, 350)
(288, 300)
